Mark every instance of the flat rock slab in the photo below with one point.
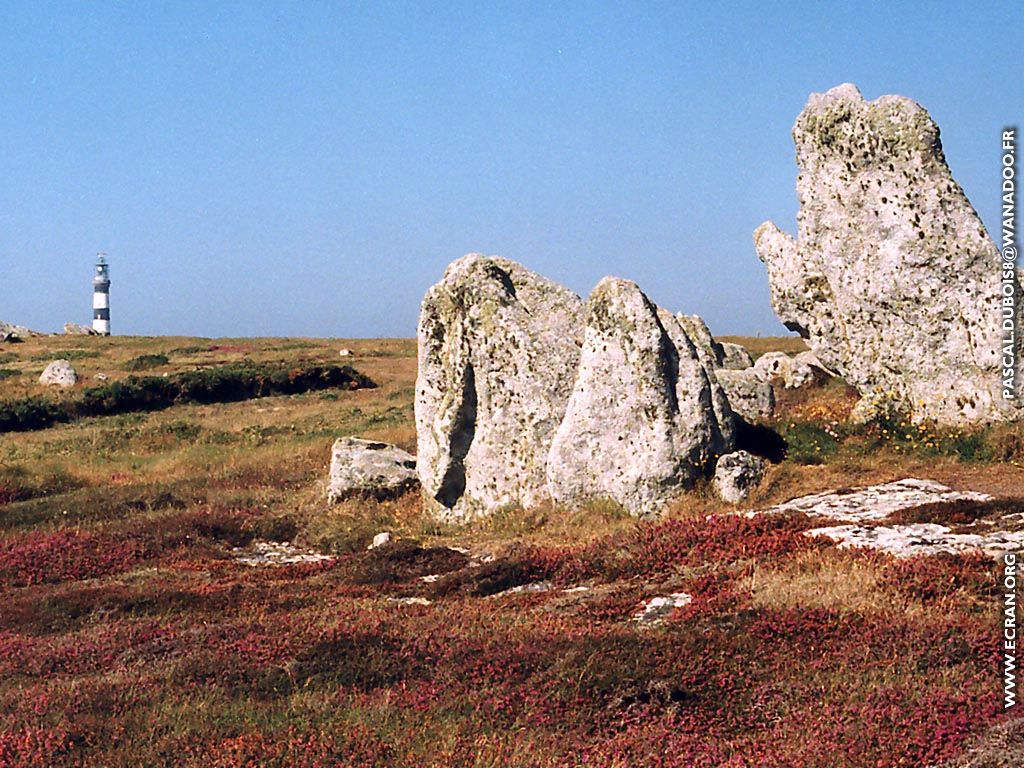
(866, 512)
(275, 553)
(655, 610)
(875, 502)
(921, 539)
(369, 468)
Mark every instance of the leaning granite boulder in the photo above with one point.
(735, 357)
(75, 329)
(737, 474)
(59, 373)
(498, 352)
(893, 280)
(646, 417)
(369, 468)
(749, 394)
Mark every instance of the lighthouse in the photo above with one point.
(101, 296)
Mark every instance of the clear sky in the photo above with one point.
(309, 168)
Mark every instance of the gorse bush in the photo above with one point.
(145, 362)
(149, 393)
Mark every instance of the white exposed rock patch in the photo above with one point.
(380, 540)
(875, 502)
(655, 610)
(409, 601)
(59, 373)
(345, 353)
(749, 395)
(271, 553)
(367, 467)
(735, 357)
(498, 352)
(737, 474)
(533, 586)
(866, 511)
(75, 329)
(892, 280)
(921, 539)
(645, 416)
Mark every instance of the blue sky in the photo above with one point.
(310, 168)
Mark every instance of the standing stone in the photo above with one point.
(369, 468)
(59, 373)
(498, 351)
(737, 474)
(735, 357)
(641, 423)
(893, 280)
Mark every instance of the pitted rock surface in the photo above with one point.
(749, 394)
(893, 278)
(59, 373)
(369, 468)
(874, 502)
(735, 357)
(737, 474)
(645, 417)
(498, 352)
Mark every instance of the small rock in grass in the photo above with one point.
(59, 373)
(380, 540)
(369, 468)
(656, 609)
(737, 474)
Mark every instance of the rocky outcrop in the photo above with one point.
(74, 329)
(368, 468)
(646, 416)
(14, 333)
(749, 394)
(737, 474)
(498, 352)
(59, 373)
(893, 280)
(735, 357)
(780, 368)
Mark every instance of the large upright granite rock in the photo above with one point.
(646, 417)
(498, 351)
(893, 281)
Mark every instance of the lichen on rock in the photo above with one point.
(646, 417)
(893, 278)
(498, 351)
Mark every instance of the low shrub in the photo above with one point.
(146, 362)
(222, 384)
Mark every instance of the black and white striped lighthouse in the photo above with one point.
(101, 296)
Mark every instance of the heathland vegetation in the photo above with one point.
(132, 632)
